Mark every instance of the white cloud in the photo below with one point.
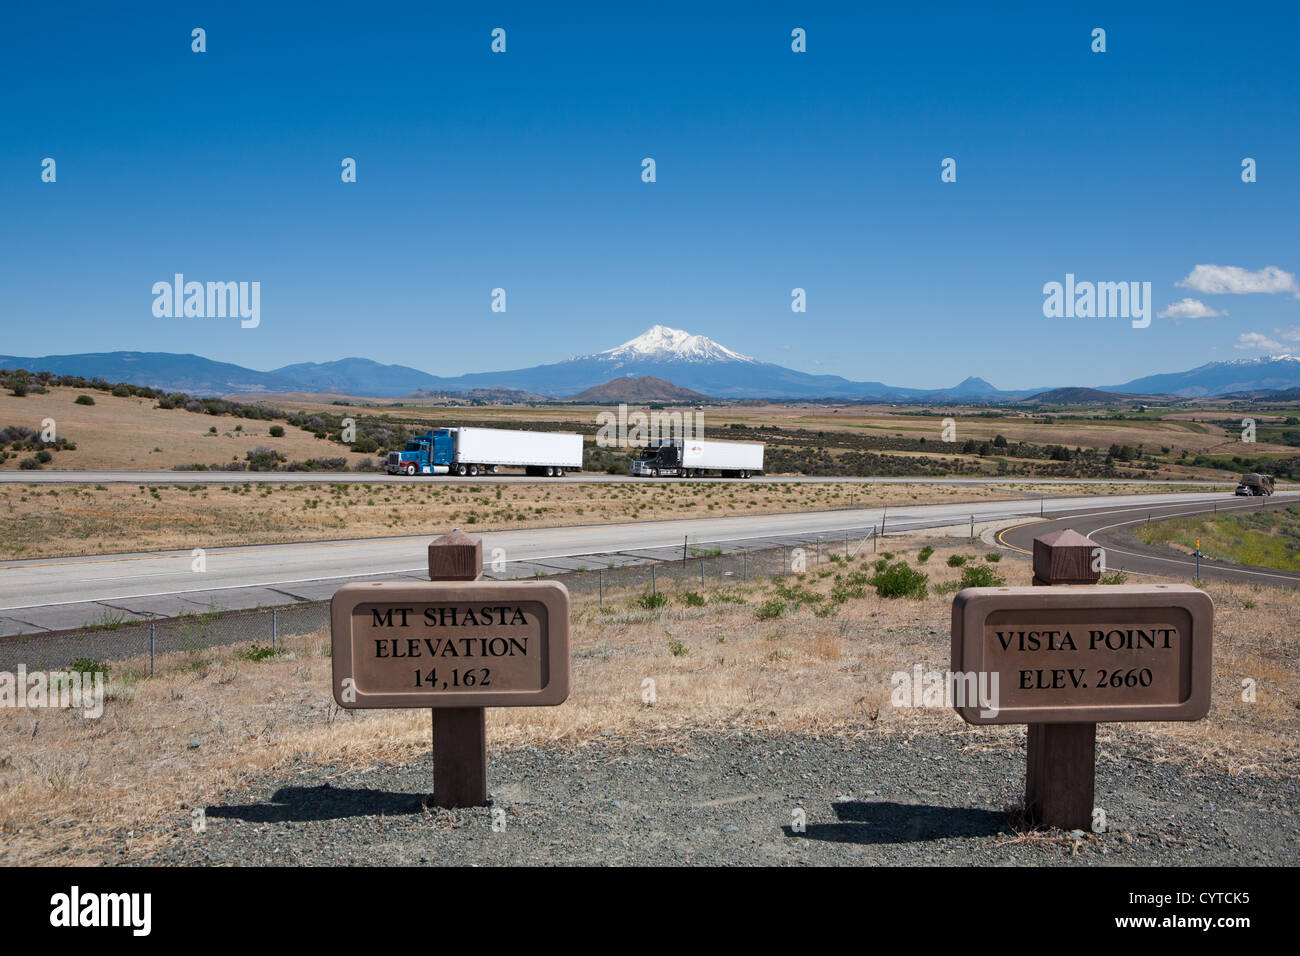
(1188, 309)
(1291, 335)
(1234, 280)
(1252, 341)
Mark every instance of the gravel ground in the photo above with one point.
(729, 799)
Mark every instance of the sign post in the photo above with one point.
(1061, 759)
(459, 733)
(1068, 653)
(456, 645)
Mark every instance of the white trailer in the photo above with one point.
(689, 458)
(475, 451)
(544, 453)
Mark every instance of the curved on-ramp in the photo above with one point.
(1124, 553)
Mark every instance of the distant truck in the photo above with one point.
(692, 458)
(484, 451)
(1254, 484)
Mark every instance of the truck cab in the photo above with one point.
(427, 454)
(658, 458)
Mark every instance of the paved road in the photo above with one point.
(54, 594)
(351, 477)
(1112, 529)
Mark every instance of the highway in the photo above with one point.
(375, 477)
(54, 594)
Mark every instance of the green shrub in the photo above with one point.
(44, 457)
(122, 391)
(923, 555)
(956, 560)
(1115, 577)
(993, 557)
(676, 648)
(277, 431)
(769, 610)
(262, 458)
(693, 599)
(29, 464)
(88, 665)
(257, 652)
(652, 602)
(980, 576)
(899, 580)
(85, 400)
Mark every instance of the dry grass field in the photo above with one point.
(132, 434)
(127, 433)
(808, 655)
(71, 520)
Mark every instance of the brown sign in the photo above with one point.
(1083, 654)
(450, 644)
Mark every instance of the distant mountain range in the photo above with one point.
(681, 360)
(1220, 378)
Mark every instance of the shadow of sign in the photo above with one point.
(887, 822)
(323, 803)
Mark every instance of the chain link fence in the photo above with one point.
(152, 639)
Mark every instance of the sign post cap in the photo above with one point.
(1065, 557)
(456, 556)
(1066, 537)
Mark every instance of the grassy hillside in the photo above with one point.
(1266, 539)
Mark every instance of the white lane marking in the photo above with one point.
(125, 577)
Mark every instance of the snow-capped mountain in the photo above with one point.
(1220, 378)
(689, 361)
(661, 344)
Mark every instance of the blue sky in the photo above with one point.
(775, 170)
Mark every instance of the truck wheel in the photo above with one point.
(473, 471)
(410, 469)
(559, 472)
(495, 469)
(461, 470)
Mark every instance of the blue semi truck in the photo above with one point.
(485, 451)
